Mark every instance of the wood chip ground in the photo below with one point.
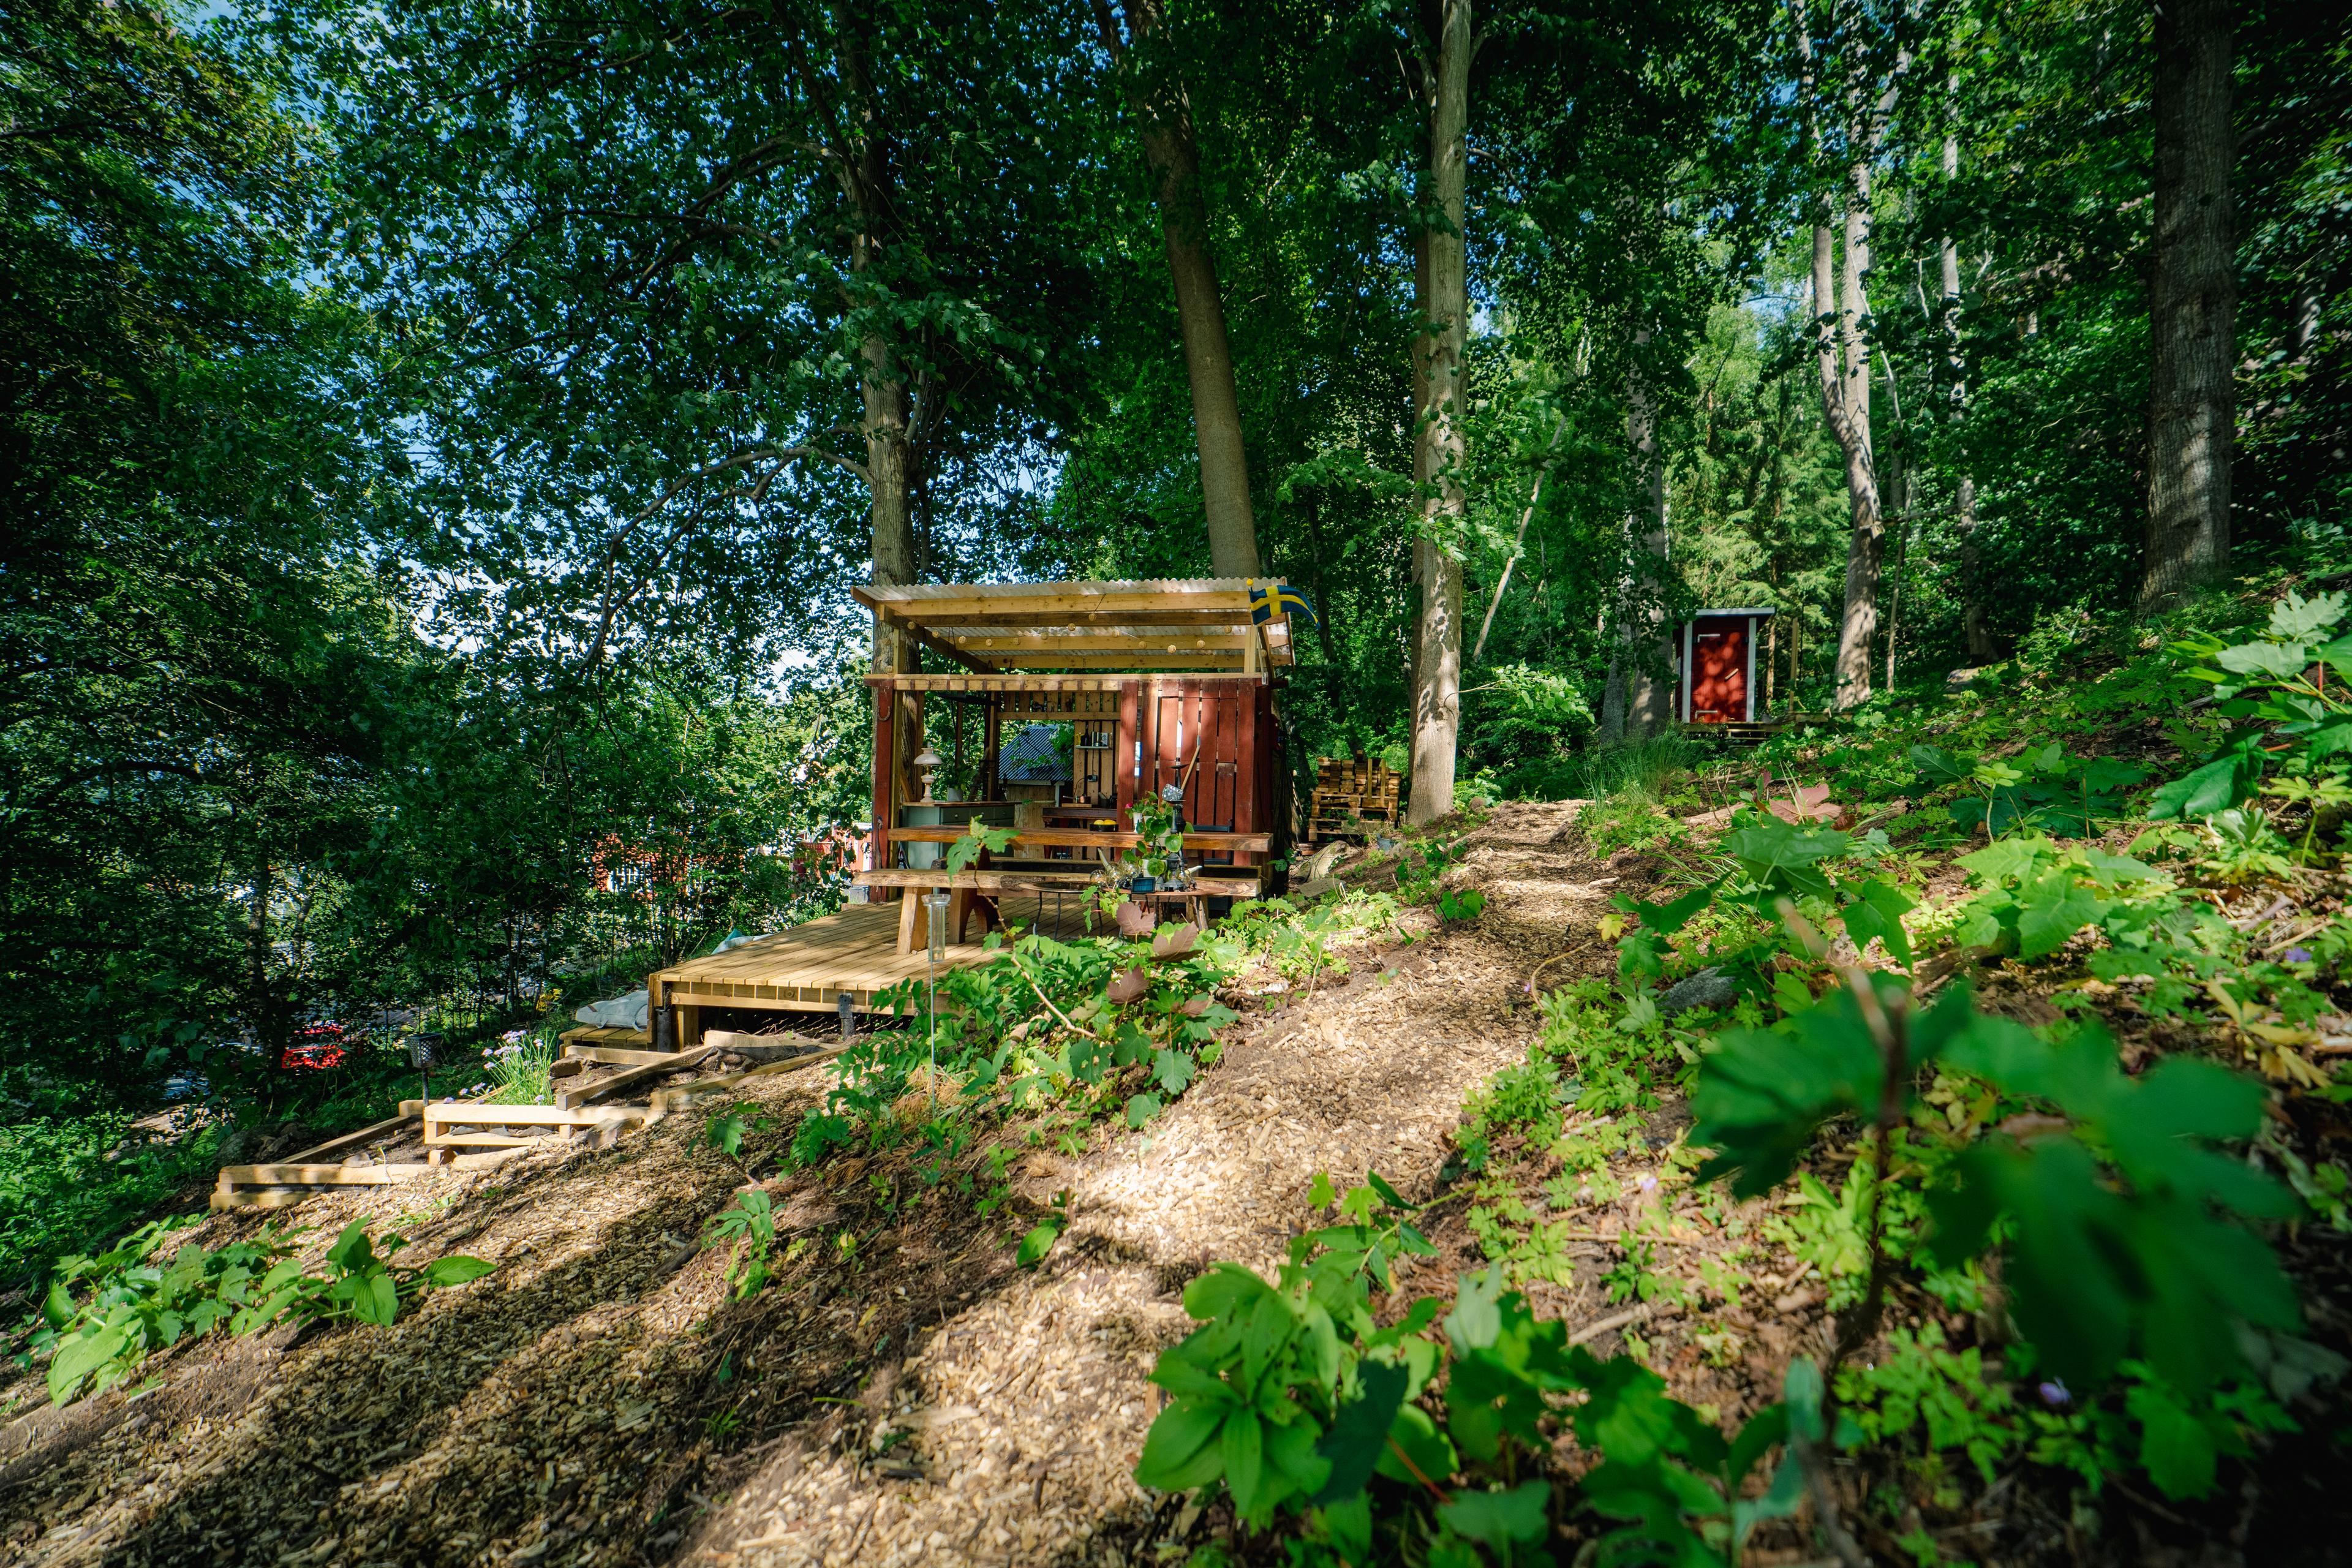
(911, 1399)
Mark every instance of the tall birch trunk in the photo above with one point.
(1173, 151)
(1439, 435)
(1842, 345)
(1964, 499)
(2193, 303)
(1845, 400)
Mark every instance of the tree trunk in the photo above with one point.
(2193, 304)
(1848, 412)
(1440, 433)
(1637, 702)
(864, 167)
(1172, 152)
(1964, 500)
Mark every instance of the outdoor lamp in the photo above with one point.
(422, 1051)
(927, 759)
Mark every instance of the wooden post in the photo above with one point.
(884, 765)
(1245, 770)
(991, 745)
(1127, 742)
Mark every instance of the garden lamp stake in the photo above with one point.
(937, 901)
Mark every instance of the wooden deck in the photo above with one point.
(809, 967)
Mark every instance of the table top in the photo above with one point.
(1088, 839)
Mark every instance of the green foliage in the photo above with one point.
(1292, 1400)
(726, 1129)
(1465, 904)
(2043, 788)
(965, 852)
(140, 1301)
(67, 1181)
(2285, 714)
(748, 1228)
(2111, 1219)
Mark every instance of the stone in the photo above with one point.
(1707, 988)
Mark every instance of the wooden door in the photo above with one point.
(1719, 669)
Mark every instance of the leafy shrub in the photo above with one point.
(1291, 1400)
(139, 1302)
(747, 1227)
(66, 1181)
(2044, 787)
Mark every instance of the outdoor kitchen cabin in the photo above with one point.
(1049, 710)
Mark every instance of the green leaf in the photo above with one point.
(2294, 617)
(2051, 910)
(1761, 1092)
(1244, 1454)
(2175, 1447)
(353, 1251)
(1674, 914)
(2007, 859)
(1877, 910)
(1141, 1108)
(1264, 1332)
(456, 1269)
(1478, 1317)
(1037, 1244)
(1181, 1451)
(1938, 765)
(1770, 848)
(77, 1358)
(2216, 786)
(1292, 1462)
(57, 1306)
(1416, 1436)
(1358, 1432)
(1501, 1519)
(377, 1299)
(1173, 1069)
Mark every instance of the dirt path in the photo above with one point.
(600, 1402)
(1025, 1413)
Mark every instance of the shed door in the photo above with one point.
(1719, 671)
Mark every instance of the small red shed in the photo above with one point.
(1716, 680)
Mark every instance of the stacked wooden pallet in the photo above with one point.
(1349, 794)
(591, 1079)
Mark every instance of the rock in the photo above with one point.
(1707, 988)
(1968, 679)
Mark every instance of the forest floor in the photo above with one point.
(908, 1394)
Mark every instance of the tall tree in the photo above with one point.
(1164, 111)
(1843, 337)
(1974, 630)
(1637, 700)
(1441, 450)
(2193, 302)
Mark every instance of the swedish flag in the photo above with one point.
(1268, 600)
